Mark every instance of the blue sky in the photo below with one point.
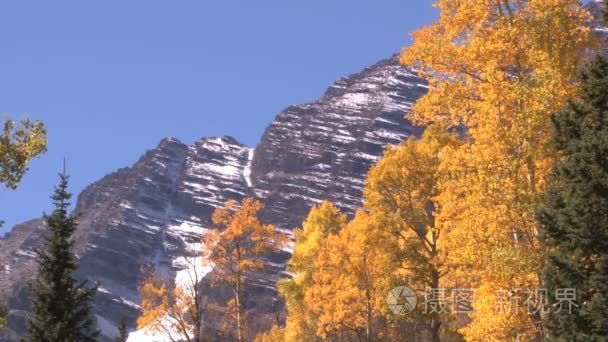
(111, 78)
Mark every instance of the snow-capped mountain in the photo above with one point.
(156, 211)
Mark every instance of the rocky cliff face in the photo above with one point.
(156, 211)
(151, 213)
(322, 150)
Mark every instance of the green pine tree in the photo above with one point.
(122, 330)
(575, 215)
(61, 305)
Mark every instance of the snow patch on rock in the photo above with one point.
(247, 170)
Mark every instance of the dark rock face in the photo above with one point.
(156, 211)
(322, 150)
(150, 213)
(599, 28)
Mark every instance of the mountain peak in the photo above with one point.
(170, 140)
(156, 211)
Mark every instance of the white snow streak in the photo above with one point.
(247, 170)
(189, 269)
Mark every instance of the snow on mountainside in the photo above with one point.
(152, 213)
(322, 150)
(155, 212)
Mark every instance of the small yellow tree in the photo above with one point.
(323, 220)
(236, 248)
(173, 311)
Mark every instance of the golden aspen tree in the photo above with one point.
(399, 194)
(498, 70)
(236, 248)
(350, 283)
(322, 220)
(173, 311)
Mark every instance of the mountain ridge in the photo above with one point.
(155, 212)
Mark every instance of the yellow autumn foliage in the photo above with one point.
(19, 143)
(274, 335)
(236, 248)
(171, 311)
(399, 194)
(350, 282)
(322, 220)
(497, 70)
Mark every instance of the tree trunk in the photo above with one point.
(435, 319)
(435, 326)
(197, 313)
(368, 330)
(238, 309)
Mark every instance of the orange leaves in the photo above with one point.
(173, 312)
(19, 143)
(323, 220)
(311, 240)
(236, 248)
(350, 281)
(500, 69)
(341, 275)
(275, 335)
(400, 194)
(154, 303)
(482, 44)
(239, 241)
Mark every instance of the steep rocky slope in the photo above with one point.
(155, 212)
(151, 213)
(322, 150)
